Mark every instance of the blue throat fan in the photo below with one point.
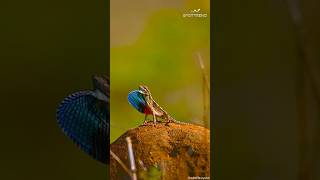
(85, 118)
(137, 100)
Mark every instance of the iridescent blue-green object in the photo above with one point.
(137, 100)
(84, 117)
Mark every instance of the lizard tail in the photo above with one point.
(171, 119)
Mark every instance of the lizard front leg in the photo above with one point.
(154, 117)
(145, 119)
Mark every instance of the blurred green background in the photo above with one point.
(48, 50)
(153, 44)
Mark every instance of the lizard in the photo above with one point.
(85, 118)
(143, 101)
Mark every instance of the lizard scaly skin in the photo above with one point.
(155, 108)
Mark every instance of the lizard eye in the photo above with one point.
(142, 92)
(142, 88)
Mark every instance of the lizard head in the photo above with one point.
(144, 90)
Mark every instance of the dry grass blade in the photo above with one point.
(120, 162)
(204, 74)
(205, 91)
(131, 158)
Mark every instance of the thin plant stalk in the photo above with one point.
(205, 90)
(131, 159)
(120, 162)
(308, 75)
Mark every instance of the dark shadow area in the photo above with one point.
(48, 50)
(266, 73)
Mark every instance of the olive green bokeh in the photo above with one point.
(164, 57)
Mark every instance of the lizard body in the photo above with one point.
(150, 106)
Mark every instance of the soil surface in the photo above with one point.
(177, 151)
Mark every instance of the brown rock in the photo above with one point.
(172, 151)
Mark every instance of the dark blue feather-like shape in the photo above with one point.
(83, 118)
(137, 100)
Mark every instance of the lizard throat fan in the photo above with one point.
(84, 118)
(137, 100)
